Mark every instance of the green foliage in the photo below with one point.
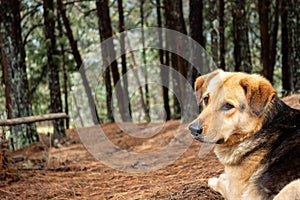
(84, 24)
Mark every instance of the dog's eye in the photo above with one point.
(227, 106)
(205, 100)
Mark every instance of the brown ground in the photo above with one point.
(70, 172)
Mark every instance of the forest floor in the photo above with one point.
(71, 172)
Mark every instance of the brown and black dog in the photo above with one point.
(257, 136)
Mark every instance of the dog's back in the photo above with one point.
(282, 163)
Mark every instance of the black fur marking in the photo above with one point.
(282, 163)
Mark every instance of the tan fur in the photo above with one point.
(290, 191)
(251, 96)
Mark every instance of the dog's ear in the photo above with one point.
(200, 85)
(202, 82)
(259, 92)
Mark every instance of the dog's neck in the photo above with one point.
(273, 117)
(235, 154)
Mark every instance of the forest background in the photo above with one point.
(44, 43)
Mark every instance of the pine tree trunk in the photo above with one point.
(196, 21)
(108, 52)
(164, 72)
(263, 10)
(175, 21)
(78, 60)
(273, 35)
(213, 14)
(147, 101)
(295, 5)
(268, 36)
(64, 70)
(109, 94)
(123, 55)
(291, 61)
(222, 51)
(286, 69)
(14, 72)
(242, 53)
(53, 66)
(196, 33)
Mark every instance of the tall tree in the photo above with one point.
(53, 67)
(164, 72)
(64, 70)
(286, 71)
(242, 53)
(290, 21)
(196, 21)
(147, 110)
(14, 73)
(123, 55)
(222, 45)
(213, 14)
(175, 21)
(78, 60)
(268, 36)
(196, 33)
(108, 52)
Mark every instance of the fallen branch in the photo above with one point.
(32, 119)
(56, 169)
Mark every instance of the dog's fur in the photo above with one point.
(257, 136)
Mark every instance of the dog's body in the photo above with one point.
(257, 136)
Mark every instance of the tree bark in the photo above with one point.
(268, 35)
(109, 100)
(164, 72)
(14, 71)
(196, 33)
(291, 62)
(147, 101)
(53, 66)
(196, 21)
(175, 21)
(78, 60)
(222, 51)
(242, 53)
(274, 34)
(286, 70)
(33, 119)
(123, 55)
(263, 10)
(108, 52)
(213, 14)
(64, 70)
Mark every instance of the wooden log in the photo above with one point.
(32, 119)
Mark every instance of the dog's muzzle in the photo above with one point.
(195, 129)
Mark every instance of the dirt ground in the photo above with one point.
(71, 172)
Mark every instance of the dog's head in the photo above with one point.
(234, 106)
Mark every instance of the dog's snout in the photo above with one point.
(196, 129)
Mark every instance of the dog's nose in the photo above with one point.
(196, 129)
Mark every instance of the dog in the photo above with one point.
(256, 136)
